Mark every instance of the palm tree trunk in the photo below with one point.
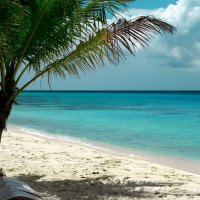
(6, 99)
(5, 109)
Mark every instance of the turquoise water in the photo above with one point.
(163, 123)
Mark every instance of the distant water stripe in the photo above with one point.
(159, 122)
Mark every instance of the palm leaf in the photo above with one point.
(106, 43)
(133, 33)
(57, 24)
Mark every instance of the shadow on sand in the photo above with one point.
(94, 188)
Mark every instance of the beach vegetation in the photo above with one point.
(63, 38)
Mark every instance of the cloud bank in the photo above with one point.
(181, 50)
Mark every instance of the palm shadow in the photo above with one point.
(93, 188)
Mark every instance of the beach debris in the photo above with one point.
(95, 172)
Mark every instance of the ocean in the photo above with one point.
(163, 123)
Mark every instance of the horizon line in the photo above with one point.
(111, 91)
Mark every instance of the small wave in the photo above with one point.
(30, 131)
(45, 134)
(109, 148)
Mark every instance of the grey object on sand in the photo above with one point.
(12, 189)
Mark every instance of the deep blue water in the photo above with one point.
(159, 122)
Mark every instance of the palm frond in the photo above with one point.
(55, 39)
(14, 25)
(136, 32)
(106, 43)
(47, 29)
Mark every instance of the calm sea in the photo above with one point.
(158, 122)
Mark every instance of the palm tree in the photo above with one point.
(62, 38)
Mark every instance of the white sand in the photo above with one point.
(64, 170)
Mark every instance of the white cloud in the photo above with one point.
(183, 48)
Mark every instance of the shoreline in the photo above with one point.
(184, 164)
(61, 170)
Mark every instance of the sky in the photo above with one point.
(170, 62)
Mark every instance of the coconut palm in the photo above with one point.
(63, 38)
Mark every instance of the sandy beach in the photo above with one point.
(65, 170)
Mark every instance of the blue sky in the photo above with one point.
(169, 63)
(152, 4)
